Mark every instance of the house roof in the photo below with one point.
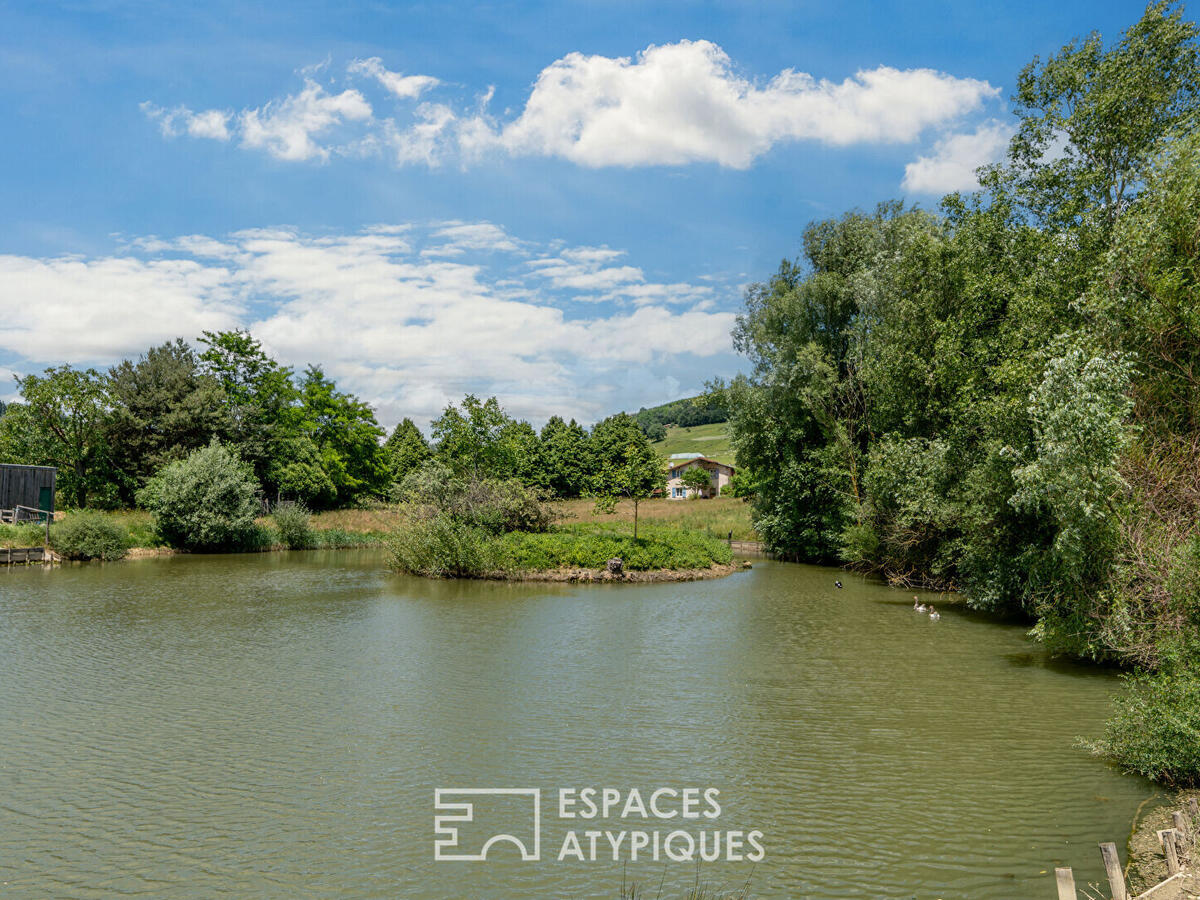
(691, 457)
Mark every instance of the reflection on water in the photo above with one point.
(276, 724)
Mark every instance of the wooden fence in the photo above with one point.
(13, 555)
(1179, 850)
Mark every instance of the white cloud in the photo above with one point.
(406, 332)
(682, 103)
(955, 159)
(407, 87)
(211, 123)
(672, 104)
(286, 128)
(104, 308)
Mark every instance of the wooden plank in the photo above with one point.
(1065, 879)
(1171, 851)
(1112, 868)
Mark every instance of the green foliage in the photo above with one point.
(1003, 399)
(1079, 414)
(163, 408)
(1156, 729)
(89, 535)
(206, 502)
(346, 435)
(406, 450)
(61, 423)
(443, 546)
(566, 453)
(293, 525)
(495, 505)
(696, 479)
(624, 464)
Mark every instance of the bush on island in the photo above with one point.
(206, 502)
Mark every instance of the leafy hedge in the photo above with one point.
(1156, 729)
(90, 535)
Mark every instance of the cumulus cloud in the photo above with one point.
(672, 104)
(955, 159)
(406, 331)
(407, 87)
(682, 103)
(286, 128)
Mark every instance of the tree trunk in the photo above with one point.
(635, 514)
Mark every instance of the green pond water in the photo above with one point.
(276, 725)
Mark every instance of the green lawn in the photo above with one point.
(707, 440)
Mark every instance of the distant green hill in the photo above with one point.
(685, 413)
(708, 440)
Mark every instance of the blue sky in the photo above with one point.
(558, 203)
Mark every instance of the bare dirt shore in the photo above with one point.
(1148, 866)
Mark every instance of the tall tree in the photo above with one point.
(162, 409)
(469, 439)
(567, 456)
(68, 410)
(347, 436)
(624, 466)
(407, 450)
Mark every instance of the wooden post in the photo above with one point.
(1066, 884)
(1194, 808)
(1112, 868)
(1171, 851)
(1183, 826)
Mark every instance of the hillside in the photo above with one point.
(710, 440)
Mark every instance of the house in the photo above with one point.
(25, 491)
(719, 474)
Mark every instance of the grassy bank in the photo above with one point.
(442, 548)
(591, 546)
(717, 516)
(584, 538)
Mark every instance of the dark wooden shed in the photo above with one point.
(28, 486)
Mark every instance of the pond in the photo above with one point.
(276, 725)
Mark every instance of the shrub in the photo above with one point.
(206, 502)
(496, 505)
(292, 523)
(1156, 729)
(89, 535)
(443, 547)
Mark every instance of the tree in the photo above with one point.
(347, 437)
(67, 411)
(624, 465)
(696, 479)
(162, 409)
(1092, 121)
(469, 440)
(266, 425)
(208, 501)
(406, 449)
(566, 454)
